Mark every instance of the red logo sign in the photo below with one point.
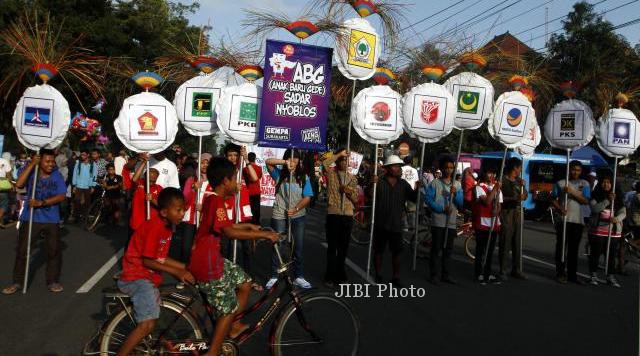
(429, 112)
(147, 122)
(381, 111)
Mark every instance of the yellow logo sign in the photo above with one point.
(362, 49)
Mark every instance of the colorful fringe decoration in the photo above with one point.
(529, 93)
(250, 72)
(569, 89)
(433, 72)
(147, 80)
(364, 8)
(45, 71)
(302, 29)
(518, 82)
(622, 99)
(473, 61)
(383, 76)
(206, 64)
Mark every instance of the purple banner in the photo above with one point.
(295, 96)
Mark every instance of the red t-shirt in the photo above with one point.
(126, 178)
(254, 187)
(206, 262)
(139, 204)
(152, 241)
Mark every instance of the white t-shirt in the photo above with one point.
(168, 170)
(118, 164)
(5, 167)
(410, 174)
(480, 192)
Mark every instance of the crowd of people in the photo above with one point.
(191, 219)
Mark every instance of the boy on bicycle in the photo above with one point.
(225, 285)
(145, 259)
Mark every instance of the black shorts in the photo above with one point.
(382, 236)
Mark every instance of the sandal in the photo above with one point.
(55, 287)
(11, 289)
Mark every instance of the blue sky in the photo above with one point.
(515, 16)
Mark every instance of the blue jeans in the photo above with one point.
(297, 235)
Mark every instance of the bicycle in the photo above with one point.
(302, 325)
(95, 212)
(361, 229)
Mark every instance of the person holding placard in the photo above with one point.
(444, 216)
(578, 193)
(392, 194)
(513, 193)
(486, 224)
(342, 196)
(601, 217)
(300, 196)
(50, 191)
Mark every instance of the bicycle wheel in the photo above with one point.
(173, 322)
(470, 246)
(323, 325)
(93, 215)
(360, 232)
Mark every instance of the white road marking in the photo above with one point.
(549, 264)
(353, 266)
(86, 287)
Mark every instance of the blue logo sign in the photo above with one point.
(37, 117)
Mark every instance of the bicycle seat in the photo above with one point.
(114, 292)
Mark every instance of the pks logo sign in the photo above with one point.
(37, 117)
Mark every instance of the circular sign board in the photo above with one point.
(510, 119)
(41, 118)
(376, 114)
(618, 133)
(473, 96)
(238, 112)
(357, 49)
(195, 103)
(147, 123)
(570, 125)
(428, 111)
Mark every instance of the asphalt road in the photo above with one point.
(533, 317)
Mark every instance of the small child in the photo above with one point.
(145, 259)
(225, 284)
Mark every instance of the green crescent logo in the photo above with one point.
(468, 102)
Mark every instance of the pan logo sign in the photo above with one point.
(621, 133)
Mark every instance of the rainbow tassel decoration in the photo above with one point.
(206, 64)
(383, 76)
(45, 71)
(518, 82)
(529, 93)
(364, 8)
(433, 72)
(569, 89)
(147, 80)
(622, 99)
(302, 29)
(250, 72)
(473, 61)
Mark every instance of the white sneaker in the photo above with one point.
(611, 280)
(179, 286)
(302, 283)
(271, 282)
(594, 279)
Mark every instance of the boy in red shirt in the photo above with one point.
(225, 284)
(145, 259)
(140, 197)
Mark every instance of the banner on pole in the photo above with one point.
(295, 96)
(267, 184)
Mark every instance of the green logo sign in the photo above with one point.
(202, 104)
(468, 102)
(248, 111)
